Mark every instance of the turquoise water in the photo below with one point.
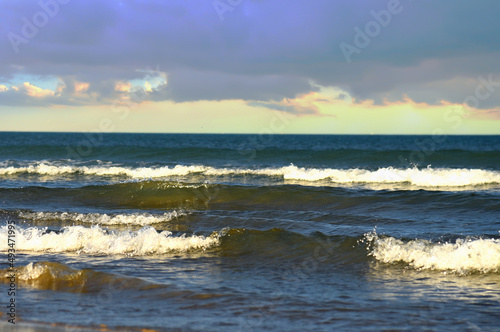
(253, 232)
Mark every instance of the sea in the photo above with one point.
(202, 232)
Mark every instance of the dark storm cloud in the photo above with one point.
(260, 50)
(220, 86)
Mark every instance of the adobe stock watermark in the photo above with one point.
(121, 107)
(12, 272)
(223, 6)
(485, 88)
(363, 37)
(30, 28)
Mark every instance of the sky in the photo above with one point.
(251, 66)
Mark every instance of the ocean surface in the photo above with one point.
(251, 232)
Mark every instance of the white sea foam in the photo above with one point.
(136, 173)
(141, 219)
(427, 177)
(462, 256)
(31, 271)
(97, 241)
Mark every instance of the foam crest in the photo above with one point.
(97, 241)
(140, 219)
(427, 177)
(135, 173)
(30, 271)
(463, 256)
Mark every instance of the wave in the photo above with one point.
(135, 200)
(98, 241)
(135, 173)
(426, 177)
(464, 256)
(139, 219)
(280, 244)
(61, 277)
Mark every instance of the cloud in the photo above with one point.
(34, 91)
(262, 51)
(81, 87)
(123, 87)
(312, 102)
(25, 94)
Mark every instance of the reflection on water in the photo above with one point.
(435, 298)
(394, 280)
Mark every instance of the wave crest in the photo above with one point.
(97, 241)
(427, 177)
(140, 219)
(463, 256)
(61, 277)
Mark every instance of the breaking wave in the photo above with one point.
(61, 277)
(427, 177)
(98, 241)
(463, 256)
(140, 219)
